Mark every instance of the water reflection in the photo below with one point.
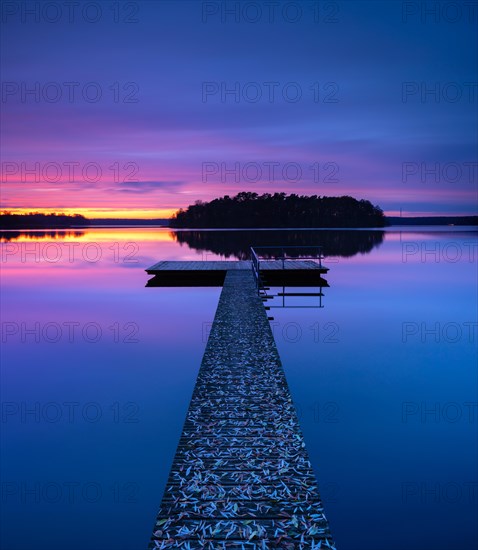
(7, 236)
(345, 243)
(349, 366)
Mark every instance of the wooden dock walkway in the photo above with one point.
(241, 477)
(274, 265)
(212, 273)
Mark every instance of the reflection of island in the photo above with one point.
(6, 236)
(237, 244)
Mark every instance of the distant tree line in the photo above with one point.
(35, 220)
(280, 210)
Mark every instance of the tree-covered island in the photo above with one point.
(279, 210)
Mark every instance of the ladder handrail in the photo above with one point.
(255, 257)
(255, 262)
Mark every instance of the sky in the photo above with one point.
(136, 109)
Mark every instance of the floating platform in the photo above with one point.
(241, 476)
(204, 273)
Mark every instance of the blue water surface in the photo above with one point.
(97, 373)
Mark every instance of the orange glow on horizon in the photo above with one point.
(97, 235)
(99, 213)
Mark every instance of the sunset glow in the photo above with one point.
(102, 214)
(166, 131)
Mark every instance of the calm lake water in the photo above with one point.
(97, 373)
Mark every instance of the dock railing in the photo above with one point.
(255, 261)
(266, 253)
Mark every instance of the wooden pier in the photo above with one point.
(212, 273)
(241, 477)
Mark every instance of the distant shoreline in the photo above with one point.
(392, 221)
(433, 220)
